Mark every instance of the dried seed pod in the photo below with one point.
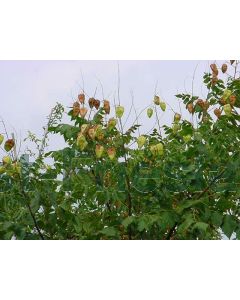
(222, 101)
(206, 105)
(232, 99)
(92, 133)
(156, 100)
(96, 104)
(177, 117)
(76, 104)
(106, 106)
(9, 144)
(200, 102)
(190, 108)
(214, 79)
(224, 68)
(217, 112)
(91, 102)
(83, 111)
(112, 123)
(99, 151)
(214, 69)
(81, 98)
(111, 153)
(76, 111)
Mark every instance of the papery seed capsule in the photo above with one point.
(214, 69)
(119, 111)
(81, 98)
(149, 112)
(175, 128)
(214, 79)
(232, 99)
(106, 106)
(224, 68)
(81, 142)
(99, 151)
(190, 108)
(6, 160)
(206, 105)
(141, 141)
(83, 111)
(92, 133)
(226, 94)
(156, 100)
(76, 111)
(163, 105)
(9, 144)
(112, 123)
(91, 102)
(96, 104)
(111, 152)
(200, 102)
(227, 109)
(84, 128)
(217, 112)
(177, 117)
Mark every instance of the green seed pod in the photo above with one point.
(119, 111)
(149, 112)
(141, 141)
(163, 106)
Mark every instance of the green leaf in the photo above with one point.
(229, 225)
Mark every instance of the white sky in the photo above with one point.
(29, 89)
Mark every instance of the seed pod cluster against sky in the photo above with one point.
(29, 89)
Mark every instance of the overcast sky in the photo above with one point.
(29, 89)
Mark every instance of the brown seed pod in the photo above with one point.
(214, 69)
(190, 108)
(232, 99)
(83, 111)
(206, 105)
(224, 68)
(106, 106)
(214, 79)
(76, 104)
(96, 104)
(232, 62)
(222, 101)
(76, 111)
(81, 98)
(217, 112)
(200, 102)
(91, 102)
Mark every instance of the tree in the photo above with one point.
(177, 182)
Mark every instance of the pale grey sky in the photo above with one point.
(29, 89)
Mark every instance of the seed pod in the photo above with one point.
(200, 102)
(112, 123)
(217, 112)
(99, 132)
(84, 128)
(205, 118)
(83, 111)
(81, 98)
(141, 141)
(96, 104)
(163, 105)
(232, 99)
(99, 151)
(81, 142)
(106, 106)
(214, 79)
(156, 149)
(119, 111)
(224, 68)
(232, 62)
(227, 109)
(156, 100)
(190, 108)
(187, 138)
(222, 101)
(1, 138)
(76, 111)
(214, 69)
(205, 105)
(92, 133)
(91, 102)
(111, 152)
(149, 112)
(226, 94)
(6, 160)
(9, 144)
(177, 117)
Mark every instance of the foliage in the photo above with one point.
(107, 183)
